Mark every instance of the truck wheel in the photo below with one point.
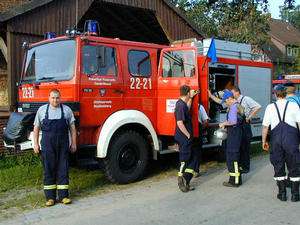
(127, 158)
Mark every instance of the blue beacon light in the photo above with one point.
(49, 35)
(92, 27)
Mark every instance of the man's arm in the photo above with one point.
(192, 95)
(214, 98)
(36, 133)
(253, 113)
(183, 129)
(73, 138)
(189, 103)
(254, 106)
(265, 144)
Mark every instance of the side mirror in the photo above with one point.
(101, 56)
(25, 45)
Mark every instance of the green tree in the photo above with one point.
(230, 20)
(291, 15)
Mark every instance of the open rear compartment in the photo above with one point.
(221, 76)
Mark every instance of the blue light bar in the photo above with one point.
(92, 27)
(49, 35)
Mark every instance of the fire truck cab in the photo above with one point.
(123, 93)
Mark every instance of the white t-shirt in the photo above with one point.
(292, 114)
(202, 115)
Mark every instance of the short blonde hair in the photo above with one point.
(290, 90)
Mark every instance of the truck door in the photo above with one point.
(178, 66)
(140, 72)
(101, 83)
(256, 83)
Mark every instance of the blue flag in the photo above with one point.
(212, 53)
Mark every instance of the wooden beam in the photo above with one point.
(3, 48)
(11, 81)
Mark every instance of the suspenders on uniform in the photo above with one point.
(284, 112)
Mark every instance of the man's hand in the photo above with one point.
(188, 136)
(265, 146)
(248, 120)
(36, 148)
(193, 93)
(222, 125)
(73, 148)
(209, 93)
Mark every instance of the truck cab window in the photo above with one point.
(179, 63)
(52, 61)
(99, 60)
(139, 63)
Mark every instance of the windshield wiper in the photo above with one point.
(46, 78)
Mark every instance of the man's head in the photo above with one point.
(236, 92)
(185, 91)
(228, 97)
(279, 91)
(290, 88)
(54, 97)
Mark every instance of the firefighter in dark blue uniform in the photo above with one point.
(188, 156)
(55, 120)
(251, 108)
(233, 124)
(283, 117)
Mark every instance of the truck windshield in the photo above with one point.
(52, 61)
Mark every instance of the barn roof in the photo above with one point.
(27, 7)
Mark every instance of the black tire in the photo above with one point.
(127, 157)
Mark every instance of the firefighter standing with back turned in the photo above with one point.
(55, 120)
(251, 108)
(188, 156)
(283, 117)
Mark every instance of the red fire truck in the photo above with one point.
(123, 93)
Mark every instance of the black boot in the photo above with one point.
(295, 191)
(281, 190)
(288, 183)
(231, 182)
(240, 180)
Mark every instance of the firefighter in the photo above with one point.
(290, 93)
(283, 117)
(203, 124)
(251, 108)
(55, 120)
(291, 97)
(188, 156)
(233, 124)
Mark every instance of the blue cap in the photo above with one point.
(227, 94)
(279, 87)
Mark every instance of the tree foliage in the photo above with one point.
(291, 15)
(236, 20)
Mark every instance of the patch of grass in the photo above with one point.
(21, 180)
(21, 183)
